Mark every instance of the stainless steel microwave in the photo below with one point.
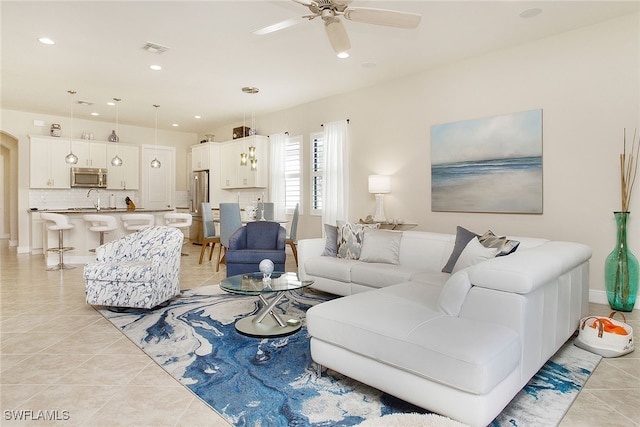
(88, 177)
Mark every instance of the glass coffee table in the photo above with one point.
(267, 322)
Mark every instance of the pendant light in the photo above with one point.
(243, 155)
(155, 163)
(116, 161)
(71, 158)
(253, 161)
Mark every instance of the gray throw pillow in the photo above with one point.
(381, 246)
(331, 244)
(463, 237)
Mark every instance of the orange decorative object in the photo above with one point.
(609, 326)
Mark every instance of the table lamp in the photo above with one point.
(379, 185)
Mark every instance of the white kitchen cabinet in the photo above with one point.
(233, 175)
(157, 185)
(90, 154)
(229, 164)
(47, 166)
(127, 175)
(200, 159)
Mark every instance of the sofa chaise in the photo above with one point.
(461, 344)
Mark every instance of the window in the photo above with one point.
(292, 175)
(317, 170)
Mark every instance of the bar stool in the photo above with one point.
(178, 220)
(136, 222)
(102, 224)
(59, 223)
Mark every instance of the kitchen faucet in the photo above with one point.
(97, 202)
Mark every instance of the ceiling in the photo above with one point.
(213, 54)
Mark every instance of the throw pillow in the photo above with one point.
(381, 246)
(504, 246)
(463, 236)
(350, 238)
(473, 254)
(331, 244)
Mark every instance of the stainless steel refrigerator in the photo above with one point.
(199, 187)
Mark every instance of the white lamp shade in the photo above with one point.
(379, 184)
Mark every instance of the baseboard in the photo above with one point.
(600, 297)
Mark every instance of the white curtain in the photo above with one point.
(335, 182)
(276, 180)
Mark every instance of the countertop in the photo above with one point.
(94, 210)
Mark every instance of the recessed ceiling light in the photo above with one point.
(95, 114)
(343, 55)
(155, 67)
(531, 13)
(175, 125)
(46, 40)
(197, 117)
(111, 103)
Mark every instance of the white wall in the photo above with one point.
(585, 81)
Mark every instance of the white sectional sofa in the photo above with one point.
(461, 344)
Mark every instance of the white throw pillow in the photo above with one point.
(473, 254)
(381, 246)
(454, 292)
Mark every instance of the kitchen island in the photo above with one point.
(80, 237)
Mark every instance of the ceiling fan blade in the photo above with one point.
(390, 18)
(277, 26)
(337, 35)
(304, 2)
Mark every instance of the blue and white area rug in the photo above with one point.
(260, 382)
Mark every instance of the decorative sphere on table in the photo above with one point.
(266, 267)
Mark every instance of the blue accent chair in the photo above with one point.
(254, 242)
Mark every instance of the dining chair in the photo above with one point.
(230, 221)
(292, 239)
(208, 233)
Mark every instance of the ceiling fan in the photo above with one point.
(331, 10)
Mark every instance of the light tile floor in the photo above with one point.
(59, 355)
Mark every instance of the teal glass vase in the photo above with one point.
(621, 269)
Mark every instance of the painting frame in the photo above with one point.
(488, 165)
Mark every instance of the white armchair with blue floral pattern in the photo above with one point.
(140, 270)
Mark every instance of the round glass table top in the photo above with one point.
(253, 283)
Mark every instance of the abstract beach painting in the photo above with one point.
(489, 165)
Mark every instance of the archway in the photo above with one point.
(9, 188)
